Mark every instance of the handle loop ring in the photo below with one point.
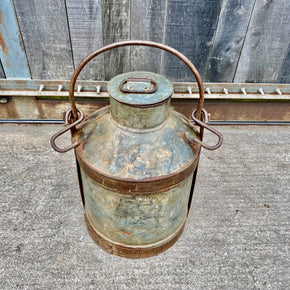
(203, 123)
(68, 118)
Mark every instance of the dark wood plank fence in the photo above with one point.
(228, 41)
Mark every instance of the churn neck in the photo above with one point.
(140, 100)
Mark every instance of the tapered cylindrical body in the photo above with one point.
(137, 158)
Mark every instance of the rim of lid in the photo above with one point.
(163, 92)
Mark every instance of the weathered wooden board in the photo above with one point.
(43, 108)
(45, 34)
(284, 74)
(229, 39)
(85, 23)
(12, 52)
(2, 74)
(266, 43)
(116, 27)
(221, 110)
(234, 90)
(190, 28)
(147, 23)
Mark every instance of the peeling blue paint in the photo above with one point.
(12, 54)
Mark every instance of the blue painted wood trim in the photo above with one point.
(12, 54)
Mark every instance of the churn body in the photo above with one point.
(137, 161)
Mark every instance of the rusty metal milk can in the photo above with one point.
(137, 160)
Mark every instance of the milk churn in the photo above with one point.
(136, 159)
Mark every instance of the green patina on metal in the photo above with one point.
(123, 152)
(137, 160)
(139, 118)
(163, 92)
(135, 219)
(136, 144)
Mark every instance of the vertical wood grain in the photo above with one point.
(85, 23)
(147, 23)
(116, 27)
(45, 34)
(237, 41)
(284, 74)
(190, 28)
(266, 43)
(2, 74)
(229, 39)
(12, 54)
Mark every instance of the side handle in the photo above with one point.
(204, 124)
(68, 118)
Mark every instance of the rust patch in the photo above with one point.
(3, 45)
(126, 233)
(131, 252)
(182, 135)
(41, 113)
(9, 110)
(194, 145)
(2, 41)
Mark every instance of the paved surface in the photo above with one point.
(237, 235)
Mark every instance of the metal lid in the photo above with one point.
(140, 89)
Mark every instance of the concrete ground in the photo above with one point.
(237, 234)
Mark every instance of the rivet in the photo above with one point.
(208, 91)
(3, 100)
(60, 87)
(41, 88)
(243, 90)
(278, 91)
(79, 88)
(260, 90)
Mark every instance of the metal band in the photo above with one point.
(146, 186)
(130, 251)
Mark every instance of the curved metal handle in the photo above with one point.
(67, 128)
(206, 126)
(142, 43)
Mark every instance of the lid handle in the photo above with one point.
(138, 85)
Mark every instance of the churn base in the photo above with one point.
(133, 252)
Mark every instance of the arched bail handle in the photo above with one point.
(141, 43)
(204, 117)
(68, 118)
